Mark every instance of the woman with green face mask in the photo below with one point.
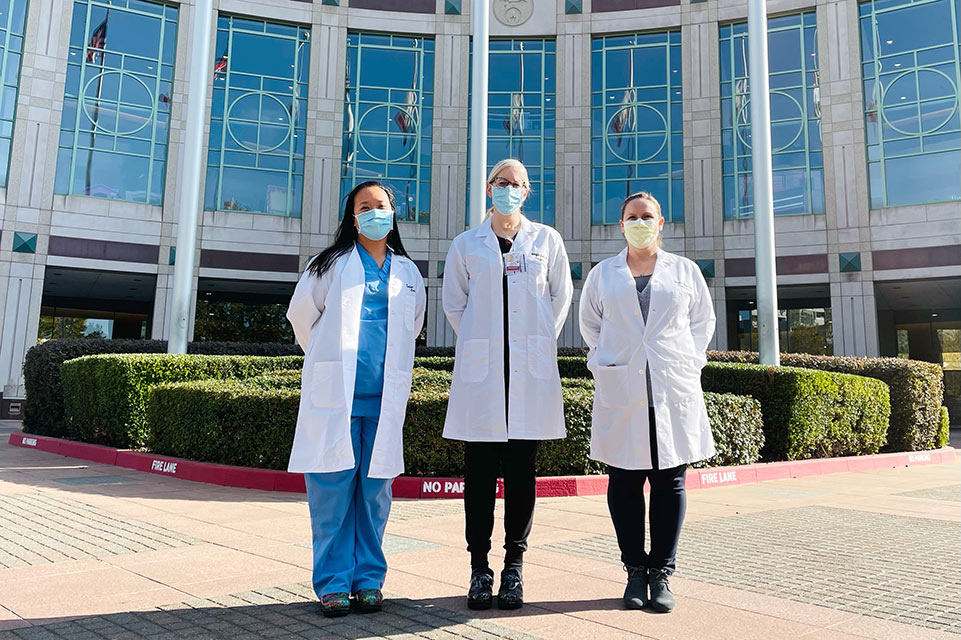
(647, 317)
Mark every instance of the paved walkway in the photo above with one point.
(91, 551)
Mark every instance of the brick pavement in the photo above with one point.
(93, 552)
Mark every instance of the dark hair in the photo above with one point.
(347, 233)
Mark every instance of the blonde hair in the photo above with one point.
(644, 195)
(504, 164)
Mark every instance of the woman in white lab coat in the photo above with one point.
(507, 291)
(647, 317)
(355, 312)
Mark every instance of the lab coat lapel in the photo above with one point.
(525, 237)
(487, 231)
(352, 285)
(627, 289)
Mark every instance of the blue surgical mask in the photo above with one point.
(507, 200)
(375, 223)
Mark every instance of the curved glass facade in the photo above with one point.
(116, 111)
(12, 18)
(798, 165)
(636, 123)
(258, 118)
(912, 87)
(522, 111)
(388, 118)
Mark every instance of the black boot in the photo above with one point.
(662, 600)
(511, 593)
(635, 594)
(481, 592)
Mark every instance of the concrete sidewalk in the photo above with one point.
(90, 551)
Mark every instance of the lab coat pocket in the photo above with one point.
(474, 360)
(536, 275)
(611, 386)
(326, 385)
(542, 356)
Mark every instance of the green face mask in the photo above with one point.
(640, 233)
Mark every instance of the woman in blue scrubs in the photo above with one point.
(356, 313)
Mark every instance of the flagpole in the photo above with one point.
(191, 171)
(764, 252)
(96, 107)
(480, 17)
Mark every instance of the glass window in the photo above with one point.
(911, 74)
(636, 128)
(388, 116)
(798, 166)
(521, 116)
(116, 105)
(258, 118)
(807, 330)
(62, 322)
(12, 17)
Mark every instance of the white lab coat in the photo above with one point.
(325, 314)
(538, 302)
(673, 342)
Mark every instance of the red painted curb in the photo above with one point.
(431, 488)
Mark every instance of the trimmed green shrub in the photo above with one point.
(944, 432)
(225, 421)
(283, 379)
(250, 423)
(808, 413)
(105, 395)
(436, 363)
(738, 428)
(43, 407)
(917, 390)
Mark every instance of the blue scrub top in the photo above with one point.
(372, 344)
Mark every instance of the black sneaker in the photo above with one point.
(662, 600)
(480, 594)
(511, 593)
(635, 594)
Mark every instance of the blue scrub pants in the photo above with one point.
(348, 515)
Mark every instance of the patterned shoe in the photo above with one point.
(335, 605)
(511, 594)
(369, 600)
(480, 595)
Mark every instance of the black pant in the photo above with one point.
(482, 462)
(625, 499)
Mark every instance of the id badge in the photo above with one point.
(514, 263)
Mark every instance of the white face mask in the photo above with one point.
(640, 233)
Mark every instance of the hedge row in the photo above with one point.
(105, 395)
(43, 411)
(251, 423)
(807, 413)
(917, 391)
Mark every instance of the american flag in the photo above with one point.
(406, 116)
(515, 122)
(220, 66)
(625, 119)
(97, 42)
